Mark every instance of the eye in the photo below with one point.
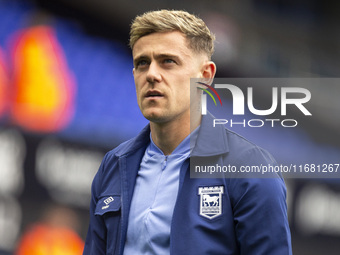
(142, 63)
(169, 61)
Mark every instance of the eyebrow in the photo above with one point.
(158, 56)
(167, 55)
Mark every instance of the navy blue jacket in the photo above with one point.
(250, 218)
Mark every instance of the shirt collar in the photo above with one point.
(184, 147)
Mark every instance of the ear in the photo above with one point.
(133, 71)
(208, 71)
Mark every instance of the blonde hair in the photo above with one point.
(199, 36)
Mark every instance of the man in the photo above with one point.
(143, 199)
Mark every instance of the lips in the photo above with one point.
(153, 94)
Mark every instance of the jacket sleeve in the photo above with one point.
(95, 242)
(260, 211)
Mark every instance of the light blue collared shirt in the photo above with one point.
(154, 199)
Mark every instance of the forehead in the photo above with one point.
(174, 42)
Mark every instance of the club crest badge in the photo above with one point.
(211, 201)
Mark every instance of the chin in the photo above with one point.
(156, 117)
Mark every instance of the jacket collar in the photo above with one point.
(140, 141)
(211, 141)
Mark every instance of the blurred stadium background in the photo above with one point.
(67, 96)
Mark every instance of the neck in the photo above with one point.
(167, 136)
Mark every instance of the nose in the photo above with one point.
(153, 74)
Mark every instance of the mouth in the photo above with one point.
(153, 94)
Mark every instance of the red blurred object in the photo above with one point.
(44, 87)
(47, 240)
(54, 234)
(4, 82)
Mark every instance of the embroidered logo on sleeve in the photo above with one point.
(211, 201)
(107, 202)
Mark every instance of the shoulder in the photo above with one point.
(251, 160)
(108, 174)
(243, 151)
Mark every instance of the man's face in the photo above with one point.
(163, 66)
